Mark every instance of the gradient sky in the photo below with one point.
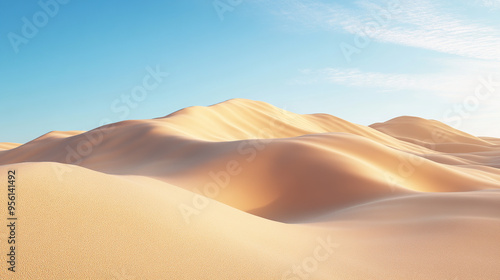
(76, 65)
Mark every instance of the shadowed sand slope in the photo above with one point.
(245, 189)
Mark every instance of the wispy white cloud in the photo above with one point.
(446, 85)
(422, 24)
(495, 4)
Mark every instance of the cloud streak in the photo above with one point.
(447, 85)
(494, 4)
(420, 24)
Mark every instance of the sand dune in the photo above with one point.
(433, 134)
(244, 190)
(491, 140)
(8, 146)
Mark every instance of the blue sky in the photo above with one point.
(74, 65)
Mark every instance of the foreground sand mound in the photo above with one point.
(75, 223)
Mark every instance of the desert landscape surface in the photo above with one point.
(246, 190)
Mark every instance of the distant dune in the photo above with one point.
(8, 146)
(245, 190)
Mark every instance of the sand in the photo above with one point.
(8, 146)
(245, 190)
